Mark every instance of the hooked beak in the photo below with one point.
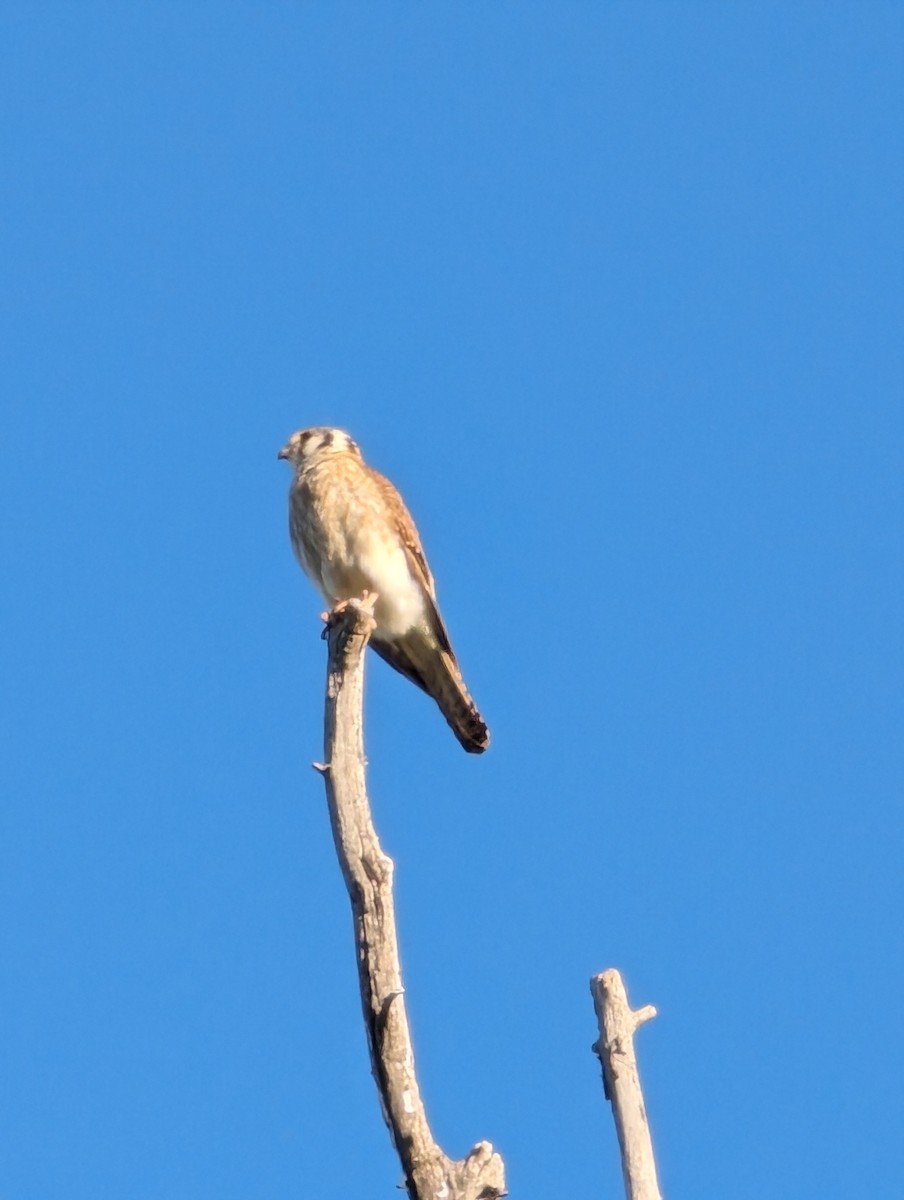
(284, 453)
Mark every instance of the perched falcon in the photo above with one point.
(352, 534)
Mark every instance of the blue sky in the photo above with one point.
(614, 294)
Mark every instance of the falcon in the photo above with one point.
(352, 534)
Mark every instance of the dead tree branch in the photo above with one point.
(429, 1174)
(621, 1082)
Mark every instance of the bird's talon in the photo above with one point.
(330, 618)
(365, 601)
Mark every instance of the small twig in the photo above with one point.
(429, 1173)
(621, 1082)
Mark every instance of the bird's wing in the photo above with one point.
(417, 563)
(426, 660)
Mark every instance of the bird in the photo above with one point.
(353, 535)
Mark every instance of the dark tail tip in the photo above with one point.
(474, 736)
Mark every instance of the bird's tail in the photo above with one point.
(436, 671)
(459, 709)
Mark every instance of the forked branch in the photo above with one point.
(429, 1173)
(621, 1082)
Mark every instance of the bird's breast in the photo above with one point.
(383, 564)
(348, 544)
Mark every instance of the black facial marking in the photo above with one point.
(327, 439)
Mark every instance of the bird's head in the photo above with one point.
(307, 444)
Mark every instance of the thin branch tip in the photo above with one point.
(647, 1013)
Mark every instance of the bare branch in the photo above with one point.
(621, 1082)
(429, 1174)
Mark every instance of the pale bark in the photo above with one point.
(429, 1173)
(621, 1082)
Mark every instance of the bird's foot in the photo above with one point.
(365, 602)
